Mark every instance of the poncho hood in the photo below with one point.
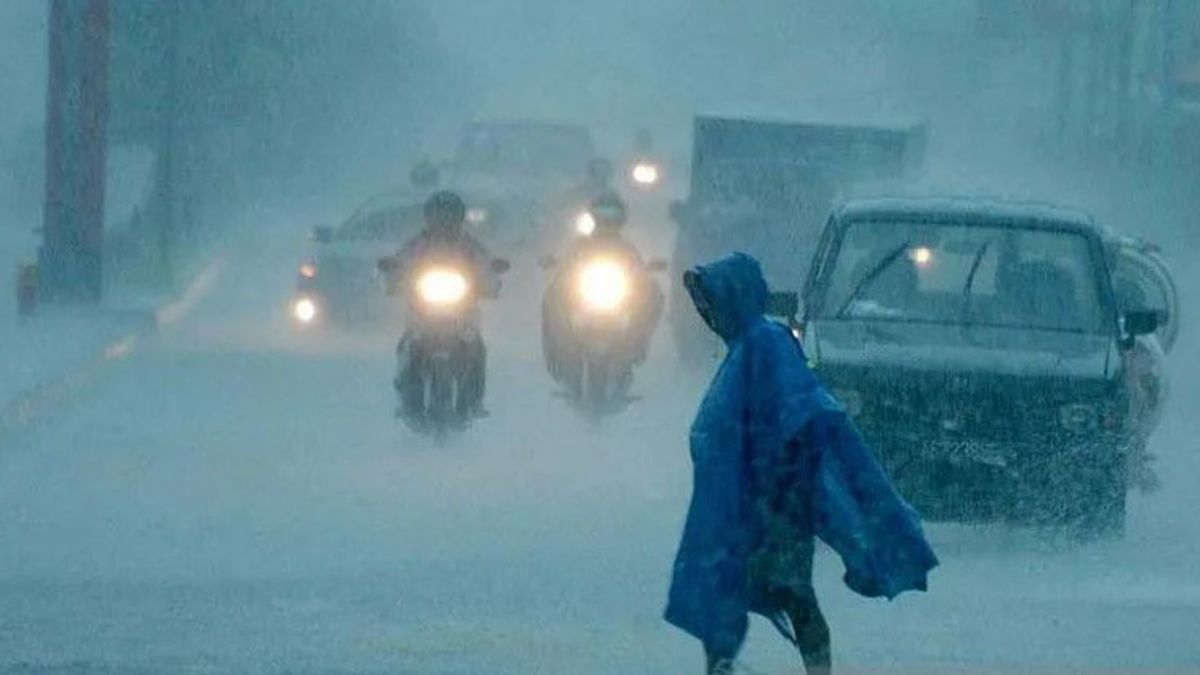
(736, 294)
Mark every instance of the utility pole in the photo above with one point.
(70, 259)
(1126, 30)
(168, 197)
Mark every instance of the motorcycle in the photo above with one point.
(308, 302)
(594, 328)
(441, 353)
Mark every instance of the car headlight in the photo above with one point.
(304, 309)
(644, 173)
(442, 287)
(1078, 417)
(922, 256)
(585, 224)
(850, 399)
(603, 285)
(477, 215)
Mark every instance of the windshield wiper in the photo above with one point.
(884, 263)
(970, 283)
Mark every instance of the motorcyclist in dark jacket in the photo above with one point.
(608, 215)
(445, 239)
(597, 181)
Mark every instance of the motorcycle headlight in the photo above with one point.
(603, 285)
(304, 309)
(1078, 417)
(645, 174)
(585, 224)
(442, 287)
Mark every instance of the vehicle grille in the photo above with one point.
(986, 408)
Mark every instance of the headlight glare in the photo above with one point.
(645, 173)
(603, 285)
(585, 224)
(442, 287)
(477, 215)
(304, 309)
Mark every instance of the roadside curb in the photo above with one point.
(35, 402)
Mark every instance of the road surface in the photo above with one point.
(232, 497)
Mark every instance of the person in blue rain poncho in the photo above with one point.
(777, 462)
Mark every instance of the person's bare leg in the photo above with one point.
(718, 664)
(721, 653)
(812, 634)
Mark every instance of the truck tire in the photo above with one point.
(1080, 492)
(1104, 495)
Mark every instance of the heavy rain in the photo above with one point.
(600, 336)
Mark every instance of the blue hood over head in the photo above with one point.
(732, 293)
(762, 399)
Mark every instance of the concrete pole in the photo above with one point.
(70, 260)
(168, 154)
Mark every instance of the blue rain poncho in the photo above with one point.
(763, 398)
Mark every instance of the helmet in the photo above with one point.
(425, 175)
(445, 211)
(608, 211)
(599, 170)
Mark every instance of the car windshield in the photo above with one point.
(385, 224)
(965, 274)
(530, 150)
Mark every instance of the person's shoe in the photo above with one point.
(722, 667)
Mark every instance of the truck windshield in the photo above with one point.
(527, 150)
(965, 274)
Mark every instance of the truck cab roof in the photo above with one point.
(990, 211)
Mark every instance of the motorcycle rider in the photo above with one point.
(597, 180)
(609, 214)
(445, 237)
(570, 206)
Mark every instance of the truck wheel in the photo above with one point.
(441, 396)
(1104, 513)
(596, 386)
(1080, 493)
(1102, 490)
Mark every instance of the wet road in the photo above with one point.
(234, 497)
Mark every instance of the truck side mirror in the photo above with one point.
(1141, 322)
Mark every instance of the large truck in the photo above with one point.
(766, 188)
